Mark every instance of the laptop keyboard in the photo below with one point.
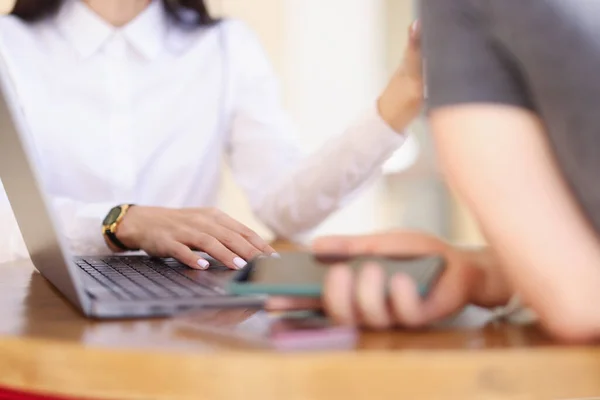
(144, 278)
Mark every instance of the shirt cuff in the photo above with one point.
(375, 137)
(82, 227)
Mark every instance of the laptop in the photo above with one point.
(128, 286)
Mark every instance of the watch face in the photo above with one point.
(112, 216)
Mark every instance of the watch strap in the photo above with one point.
(114, 240)
(110, 233)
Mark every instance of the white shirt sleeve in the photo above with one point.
(81, 225)
(289, 192)
(78, 222)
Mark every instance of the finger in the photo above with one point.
(413, 59)
(405, 301)
(213, 247)
(450, 294)
(235, 242)
(292, 303)
(371, 297)
(337, 295)
(414, 32)
(247, 233)
(391, 243)
(185, 255)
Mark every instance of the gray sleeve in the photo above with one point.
(463, 62)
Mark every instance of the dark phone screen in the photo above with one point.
(308, 269)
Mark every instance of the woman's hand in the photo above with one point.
(164, 232)
(470, 277)
(402, 99)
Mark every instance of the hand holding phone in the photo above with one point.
(300, 274)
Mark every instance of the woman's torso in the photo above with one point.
(125, 116)
(133, 115)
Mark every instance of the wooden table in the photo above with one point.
(46, 346)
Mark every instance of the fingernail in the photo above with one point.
(239, 263)
(275, 255)
(203, 263)
(414, 27)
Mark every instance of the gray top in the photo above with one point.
(542, 55)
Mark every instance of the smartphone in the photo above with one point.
(301, 274)
(292, 331)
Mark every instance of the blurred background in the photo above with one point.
(333, 58)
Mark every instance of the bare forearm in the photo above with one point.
(543, 244)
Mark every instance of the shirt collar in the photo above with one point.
(147, 32)
(87, 32)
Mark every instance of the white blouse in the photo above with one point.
(146, 114)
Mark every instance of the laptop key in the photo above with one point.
(100, 293)
(162, 270)
(123, 283)
(146, 278)
(201, 278)
(159, 272)
(190, 285)
(168, 288)
(98, 281)
(131, 280)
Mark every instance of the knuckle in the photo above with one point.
(164, 237)
(250, 234)
(159, 250)
(259, 243)
(199, 220)
(183, 232)
(206, 240)
(172, 248)
(219, 217)
(229, 239)
(161, 246)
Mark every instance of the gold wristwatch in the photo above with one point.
(111, 223)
